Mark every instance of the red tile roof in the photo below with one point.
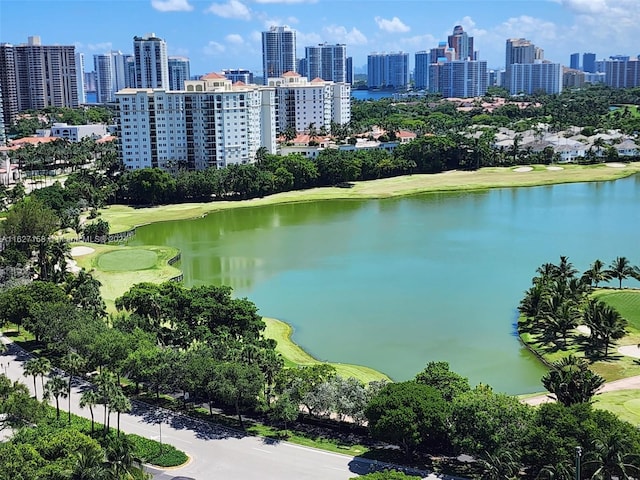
(212, 76)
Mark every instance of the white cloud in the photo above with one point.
(171, 5)
(213, 48)
(394, 25)
(234, 38)
(232, 9)
(339, 34)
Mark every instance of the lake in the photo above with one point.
(395, 283)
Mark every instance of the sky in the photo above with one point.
(223, 34)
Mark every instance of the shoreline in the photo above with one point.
(122, 218)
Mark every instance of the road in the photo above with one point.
(216, 452)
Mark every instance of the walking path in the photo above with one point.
(216, 452)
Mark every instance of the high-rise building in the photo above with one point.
(439, 52)
(572, 78)
(303, 103)
(112, 74)
(152, 65)
(210, 123)
(90, 81)
(589, 62)
(3, 136)
(529, 78)
(328, 62)
(388, 70)
(82, 97)
(45, 75)
(349, 70)
(8, 83)
(462, 43)
(622, 73)
(421, 72)
(238, 75)
(574, 61)
(179, 72)
(459, 78)
(278, 52)
(302, 66)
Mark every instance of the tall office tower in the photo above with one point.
(531, 77)
(278, 52)
(328, 62)
(302, 66)
(459, 78)
(462, 43)
(421, 72)
(495, 78)
(90, 81)
(302, 102)
(601, 66)
(111, 75)
(439, 52)
(209, 123)
(8, 83)
(82, 97)
(130, 71)
(574, 61)
(238, 75)
(589, 62)
(179, 71)
(350, 70)
(45, 75)
(518, 51)
(152, 66)
(388, 70)
(622, 73)
(3, 136)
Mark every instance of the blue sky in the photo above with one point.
(226, 33)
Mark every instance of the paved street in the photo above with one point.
(216, 452)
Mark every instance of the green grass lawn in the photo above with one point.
(127, 260)
(625, 404)
(294, 355)
(627, 302)
(122, 218)
(118, 268)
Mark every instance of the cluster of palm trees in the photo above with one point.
(107, 391)
(559, 301)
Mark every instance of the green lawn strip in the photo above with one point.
(122, 218)
(294, 355)
(626, 302)
(116, 282)
(624, 403)
(147, 450)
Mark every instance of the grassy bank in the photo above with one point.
(294, 355)
(624, 403)
(122, 218)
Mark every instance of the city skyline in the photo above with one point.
(216, 35)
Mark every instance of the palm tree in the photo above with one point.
(73, 363)
(606, 324)
(90, 398)
(43, 367)
(565, 268)
(500, 465)
(90, 465)
(565, 318)
(620, 268)
(106, 384)
(560, 471)
(599, 143)
(31, 368)
(120, 457)
(120, 403)
(56, 387)
(611, 457)
(596, 274)
(571, 381)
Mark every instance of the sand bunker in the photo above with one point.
(79, 251)
(583, 329)
(523, 169)
(555, 168)
(615, 165)
(630, 351)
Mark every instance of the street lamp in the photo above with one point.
(578, 456)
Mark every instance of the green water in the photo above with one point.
(395, 283)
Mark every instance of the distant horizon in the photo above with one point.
(221, 34)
